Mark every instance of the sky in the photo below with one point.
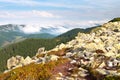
(83, 13)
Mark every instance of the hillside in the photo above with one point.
(11, 33)
(72, 33)
(24, 48)
(93, 56)
(12, 37)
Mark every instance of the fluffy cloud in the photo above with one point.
(43, 14)
(27, 14)
(31, 29)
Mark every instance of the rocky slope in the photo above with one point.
(94, 56)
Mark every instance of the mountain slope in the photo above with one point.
(65, 37)
(30, 46)
(93, 56)
(42, 35)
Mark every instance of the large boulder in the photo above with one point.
(52, 58)
(18, 61)
(40, 51)
(27, 60)
(11, 62)
(61, 46)
(14, 61)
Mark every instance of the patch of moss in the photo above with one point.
(33, 71)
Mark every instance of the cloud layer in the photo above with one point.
(58, 29)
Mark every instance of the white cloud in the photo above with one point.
(31, 29)
(43, 14)
(27, 14)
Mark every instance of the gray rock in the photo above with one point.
(102, 71)
(14, 61)
(27, 60)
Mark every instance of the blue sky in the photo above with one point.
(62, 12)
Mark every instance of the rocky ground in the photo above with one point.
(94, 56)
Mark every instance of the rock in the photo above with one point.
(14, 61)
(97, 40)
(102, 65)
(74, 75)
(53, 58)
(17, 66)
(11, 63)
(110, 64)
(111, 72)
(27, 60)
(83, 62)
(117, 46)
(42, 60)
(113, 63)
(73, 61)
(20, 59)
(40, 51)
(59, 78)
(69, 78)
(94, 46)
(109, 54)
(60, 74)
(116, 30)
(82, 72)
(61, 46)
(69, 54)
(102, 71)
(99, 59)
